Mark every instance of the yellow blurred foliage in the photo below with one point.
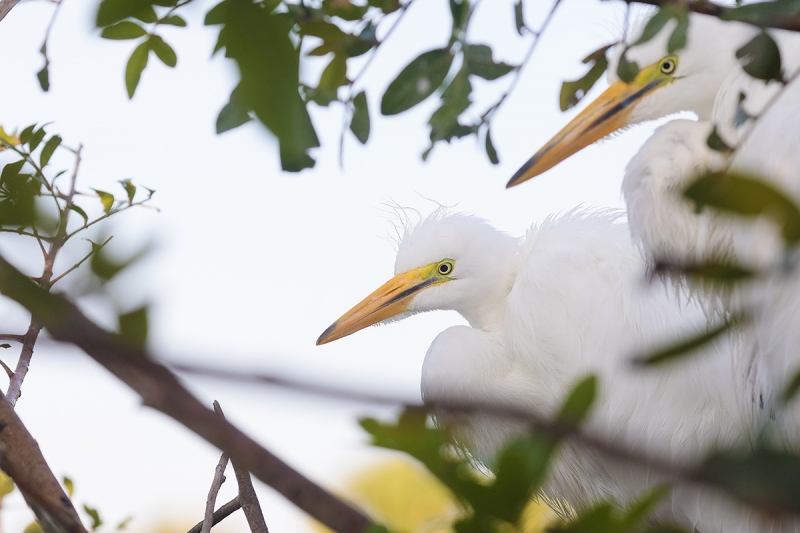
(406, 498)
(7, 138)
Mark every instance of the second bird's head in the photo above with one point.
(455, 262)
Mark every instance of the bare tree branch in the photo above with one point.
(247, 494)
(6, 6)
(161, 390)
(219, 479)
(778, 21)
(220, 514)
(22, 460)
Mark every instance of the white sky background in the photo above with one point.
(253, 264)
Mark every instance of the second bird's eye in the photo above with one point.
(668, 65)
(445, 268)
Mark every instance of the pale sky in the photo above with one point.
(252, 264)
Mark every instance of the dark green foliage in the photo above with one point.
(360, 125)
(17, 193)
(763, 13)
(418, 80)
(686, 347)
(716, 143)
(573, 91)
(133, 326)
(234, 114)
(665, 13)
(478, 58)
(627, 70)
(761, 58)
(490, 149)
(747, 196)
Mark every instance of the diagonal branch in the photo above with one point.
(161, 390)
(219, 479)
(705, 7)
(220, 514)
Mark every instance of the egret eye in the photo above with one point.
(445, 268)
(668, 65)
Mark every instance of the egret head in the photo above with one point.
(686, 80)
(456, 262)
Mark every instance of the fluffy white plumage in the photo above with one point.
(567, 300)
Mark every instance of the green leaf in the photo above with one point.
(80, 212)
(124, 524)
(258, 40)
(107, 199)
(136, 64)
(459, 10)
(163, 51)
(133, 326)
(656, 23)
(173, 20)
(747, 195)
(455, 100)
(761, 58)
(386, 6)
(49, 147)
(94, 515)
(44, 76)
(359, 125)
(490, 150)
(791, 389)
(762, 13)
(17, 195)
(130, 189)
(519, 17)
(25, 134)
(686, 346)
(579, 401)
(334, 75)
(123, 30)
(418, 80)
(234, 114)
(344, 9)
(68, 485)
(147, 15)
(573, 91)
(716, 143)
(713, 272)
(113, 11)
(11, 170)
(627, 70)
(677, 40)
(36, 138)
(5, 345)
(479, 62)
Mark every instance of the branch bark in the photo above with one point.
(247, 494)
(161, 390)
(211, 501)
(22, 460)
(220, 514)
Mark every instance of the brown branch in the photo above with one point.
(247, 494)
(11, 337)
(216, 483)
(25, 356)
(6, 6)
(161, 390)
(220, 514)
(22, 460)
(704, 7)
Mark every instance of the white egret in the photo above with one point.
(544, 311)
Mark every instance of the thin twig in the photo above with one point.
(247, 494)
(211, 500)
(95, 249)
(12, 337)
(47, 36)
(351, 85)
(220, 514)
(487, 116)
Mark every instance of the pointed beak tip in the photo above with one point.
(324, 338)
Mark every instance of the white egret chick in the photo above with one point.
(545, 310)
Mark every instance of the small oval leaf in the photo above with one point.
(418, 80)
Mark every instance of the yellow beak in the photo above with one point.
(610, 112)
(392, 298)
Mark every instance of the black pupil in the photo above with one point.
(444, 269)
(667, 67)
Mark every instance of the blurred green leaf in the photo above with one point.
(95, 516)
(80, 211)
(360, 125)
(113, 11)
(47, 152)
(746, 195)
(124, 524)
(136, 64)
(173, 20)
(716, 143)
(519, 17)
(459, 10)
(792, 388)
(334, 75)
(386, 6)
(107, 199)
(36, 138)
(677, 40)
(130, 189)
(604, 518)
(761, 58)
(444, 121)
(763, 477)
(656, 23)
(573, 91)
(123, 30)
(258, 40)
(479, 62)
(344, 9)
(762, 13)
(686, 346)
(5, 346)
(133, 326)
(627, 70)
(234, 114)
(579, 401)
(490, 150)
(712, 271)
(163, 51)
(17, 195)
(44, 76)
(68, 485)
(25, 134)
(418, 80)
